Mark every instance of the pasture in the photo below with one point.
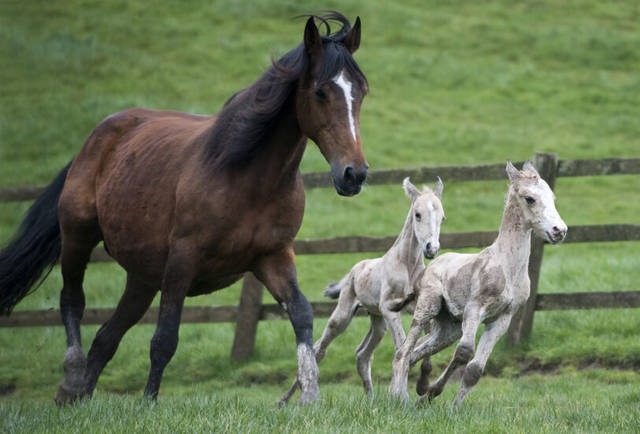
(461, 83)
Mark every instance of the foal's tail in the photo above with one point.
(34, 249)
(333, 289)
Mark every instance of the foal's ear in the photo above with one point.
(439, 188)
(530, 168)
(352, 39)
(409, 189)
(312, 39)
(512, 172)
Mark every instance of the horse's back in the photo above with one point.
(125, 178)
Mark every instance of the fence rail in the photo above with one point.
(251, 310)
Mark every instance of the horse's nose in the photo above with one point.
(559, 233)
(431, 250)
(354, 176)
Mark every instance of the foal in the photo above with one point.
(457, 291)
(372, 283)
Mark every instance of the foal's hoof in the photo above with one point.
(422, 386)
(67, 395)
(309, 397)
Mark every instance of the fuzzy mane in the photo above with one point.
(249, 116)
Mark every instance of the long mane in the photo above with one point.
(249, 116)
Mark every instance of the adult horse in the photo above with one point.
(187, 204)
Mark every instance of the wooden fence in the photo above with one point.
(251, 310)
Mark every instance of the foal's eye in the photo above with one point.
(321, 95)
(530, 200)
(418, 216)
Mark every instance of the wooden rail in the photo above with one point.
(251, 310)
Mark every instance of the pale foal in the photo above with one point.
(457, 292)
(373, 283)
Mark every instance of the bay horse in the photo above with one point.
(186, 204)
(457, 292)
(374, 283)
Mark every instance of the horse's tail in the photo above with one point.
(34, 248)
(333, 289)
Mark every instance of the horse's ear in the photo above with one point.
(352, 39)
(439, 188)
(410, 190)
(512, 172)
(312, 39)
(530, 168)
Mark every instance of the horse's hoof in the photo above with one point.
(308, 397)
(67, 395)
(422, 386)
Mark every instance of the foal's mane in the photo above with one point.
(249, 116)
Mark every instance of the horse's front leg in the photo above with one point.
(278, 272)
(492, 333)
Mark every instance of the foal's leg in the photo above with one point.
(364, 353)
(492, 333)
(78, 240)
(442, 332)
(134, 303)
(463, 353)
(338, 321)
(428, 305)
(278, 273)
(177, 280)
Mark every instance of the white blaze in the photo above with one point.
(432, 212)
(345, 85)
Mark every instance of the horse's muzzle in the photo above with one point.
(349, 182)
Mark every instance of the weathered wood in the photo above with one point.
(247, 318)
(480, 172)
(522, 322)
(51, 317)
(268, 312)
(588, 300)
(604, 166)
(21, 194)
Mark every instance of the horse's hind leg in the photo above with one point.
(78, 240)
(134, 303)
(364, 353)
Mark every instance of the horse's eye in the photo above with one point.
(321, 95)
(530, 200)
(418, 216)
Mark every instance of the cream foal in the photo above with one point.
(373, 283)
(457, 292)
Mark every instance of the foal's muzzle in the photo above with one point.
(557, 234)
(431, 250)
(348, 181)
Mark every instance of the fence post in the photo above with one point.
(248, 317)
(522, 322)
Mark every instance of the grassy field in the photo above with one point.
(456, 83)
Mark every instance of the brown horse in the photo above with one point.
(187, 204)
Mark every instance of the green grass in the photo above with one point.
(600, 401)
(451, 83)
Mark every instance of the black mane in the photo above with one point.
(248, 117)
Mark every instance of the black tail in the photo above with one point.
(34, 249)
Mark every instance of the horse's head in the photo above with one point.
(328, 100)
(426, 216)
(536, 202)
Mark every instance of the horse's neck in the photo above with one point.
(284, 148)
(407, 249)
(513, 244)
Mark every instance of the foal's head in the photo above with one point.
(536, 202)
(426, 216)
(328, 99)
